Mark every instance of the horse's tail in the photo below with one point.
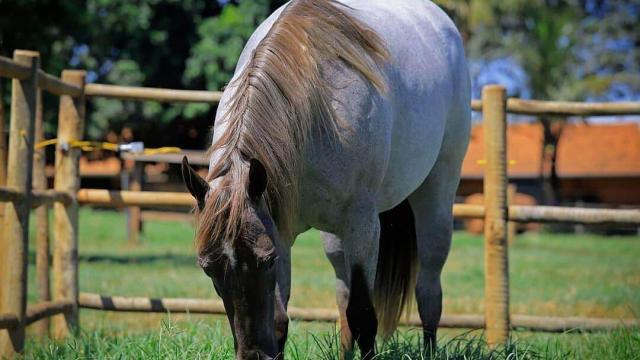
(397, 266)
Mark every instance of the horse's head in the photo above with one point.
(237, 248)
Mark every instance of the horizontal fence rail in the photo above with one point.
(565, 108)
(10, 195)
(206, 306)
(525, 214)
(11, 69)
(56, 86)
(517, 213)
(468, 211)
(52, 84)
(514, 105)
(8, 321)
(38, 197)
(49, 197)
(47, 82)
(152, 94)
(134, 198)
(45, 309)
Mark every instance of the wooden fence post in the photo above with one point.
(3, 143)
(3, 154)
(65, 253)
(512, 226)
(496, 261)
(41, 219)
(14, 247)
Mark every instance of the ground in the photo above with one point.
(551, 274)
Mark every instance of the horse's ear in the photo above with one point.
(257, 180)
(197, 186)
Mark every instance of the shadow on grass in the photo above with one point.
(466, 346)
(129, 259)
(203, 340)
(139, 259)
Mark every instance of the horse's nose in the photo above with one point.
(252, 355)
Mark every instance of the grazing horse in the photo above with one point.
(351, 117)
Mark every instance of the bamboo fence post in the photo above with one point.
(3, 152)
(496, 262)
(41, 219)
(512, 226)
(65, 253)
(14, 247)
(3, 142)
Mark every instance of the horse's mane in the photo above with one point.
(280, 98)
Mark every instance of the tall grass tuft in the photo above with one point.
(202, 340)
(409, 346)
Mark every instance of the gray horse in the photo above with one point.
(351, 117)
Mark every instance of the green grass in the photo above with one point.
(551, 274)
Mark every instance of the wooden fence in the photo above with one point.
(21, 195)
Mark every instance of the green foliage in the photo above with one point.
(157, 43)
(551, 274)
(221, 39)
(194, 44)
(568, 53)
(213, 63)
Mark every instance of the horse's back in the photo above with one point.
(400, 133)
(429, 90)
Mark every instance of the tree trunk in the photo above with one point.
(551, 191)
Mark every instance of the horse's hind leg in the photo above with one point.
(432, 206)
(360, 247)
(335, 253)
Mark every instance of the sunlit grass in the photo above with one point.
(199, 340)
(551, 274)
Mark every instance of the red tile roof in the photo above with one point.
(524, 152)
(602, 150)
(611, 150)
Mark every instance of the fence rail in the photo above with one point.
(71, 87)
(47, 308)
(517, 213)
(134, 198)
(13, 70)
(152, 94)
(8, 321)
(525, 214)
(38, 197)
(56, 86)
(47, 82)
(464, 321)
(565, 108)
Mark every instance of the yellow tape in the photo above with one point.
(98, 145)
(484, 162)
(46, 143)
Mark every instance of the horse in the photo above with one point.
(351, 117)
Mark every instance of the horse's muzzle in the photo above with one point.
(252, 355)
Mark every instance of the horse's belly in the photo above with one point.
(421, 76)
(415, 147)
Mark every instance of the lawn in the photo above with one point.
(551, 274)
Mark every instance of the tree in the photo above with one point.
(190, 44)
(568, 49)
